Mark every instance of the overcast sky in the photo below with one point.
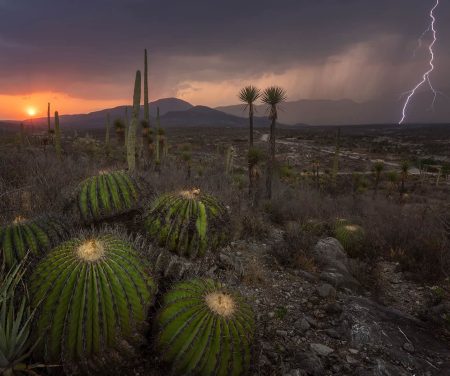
(84, 53)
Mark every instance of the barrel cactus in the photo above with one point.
(106, 195)
(35, 236)
(188, 222)
(205, 329)
(350, 236)
(89, 293)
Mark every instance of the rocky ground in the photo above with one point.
(327, 324)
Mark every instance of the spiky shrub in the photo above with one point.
(350, 236)
(93, 291)
(188, 222)
(106, 195)
(36, 235)
(15, 324)
(205, 329)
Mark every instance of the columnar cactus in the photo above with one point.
(188, 222)
(350, 236)
(106, 195)
(204, 329)
(89, 293)
(131, 141)
(36, 236)
(107, 137)
(57, 136)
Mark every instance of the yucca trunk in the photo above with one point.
(271, 161)
(57, 136)
(131, 146)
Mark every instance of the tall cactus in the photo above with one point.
(57, 136)
(146, 106)
(131, 141)
(107, 141)
(48, 119)
(158, 123)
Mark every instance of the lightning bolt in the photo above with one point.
(426, 75)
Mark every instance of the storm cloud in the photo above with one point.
(203, 50)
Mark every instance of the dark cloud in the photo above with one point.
(91, 48)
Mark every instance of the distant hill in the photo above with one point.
(174, 112)
(348, 112)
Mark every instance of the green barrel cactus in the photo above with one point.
(90, 292)
(204, 329)
(350, 236)
(106, 195)
(35, 236)
(188, 222)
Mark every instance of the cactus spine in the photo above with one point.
(57, 136)
(131, 144)
(107, 141)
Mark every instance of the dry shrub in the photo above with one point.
(254, 273)
(254, 226)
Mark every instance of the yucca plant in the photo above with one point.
(249, 95)
(15, 325)
(205, 329)
(272, 96)
(36, 235)
(94, 291)
(106, 195)
(351, 237)
(188, 222)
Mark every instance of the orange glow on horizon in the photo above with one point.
(22, 107)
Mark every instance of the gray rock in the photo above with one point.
(333, 308)
(321, 349)
(408, 347)
(310, 363)
(302, 325)
(325, 290)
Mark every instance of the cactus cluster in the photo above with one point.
(22, 235)
(88, 291)
(106, 195)
(188, 222)
(205, 329)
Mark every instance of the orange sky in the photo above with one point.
(15, 107)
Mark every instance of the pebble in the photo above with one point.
(325, 290)
(408, 347)
(271, 315)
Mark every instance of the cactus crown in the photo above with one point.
(106, 195)
(188, 222)
(205, 329)
(89, 292)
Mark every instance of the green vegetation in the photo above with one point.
(206, 329)
(131, 140)
(93, 291)
(350, 236)
(188, 222)
(106, 195)
(36, 235)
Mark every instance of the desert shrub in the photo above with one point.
(188, 222)
(90, 292)
(295, 250)
(106, 195)
(206, 329)
(253, 225)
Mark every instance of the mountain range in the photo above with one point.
(176, 112)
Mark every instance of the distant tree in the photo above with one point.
(272, 96)
(249, 95)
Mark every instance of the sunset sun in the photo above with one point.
(31, 111)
